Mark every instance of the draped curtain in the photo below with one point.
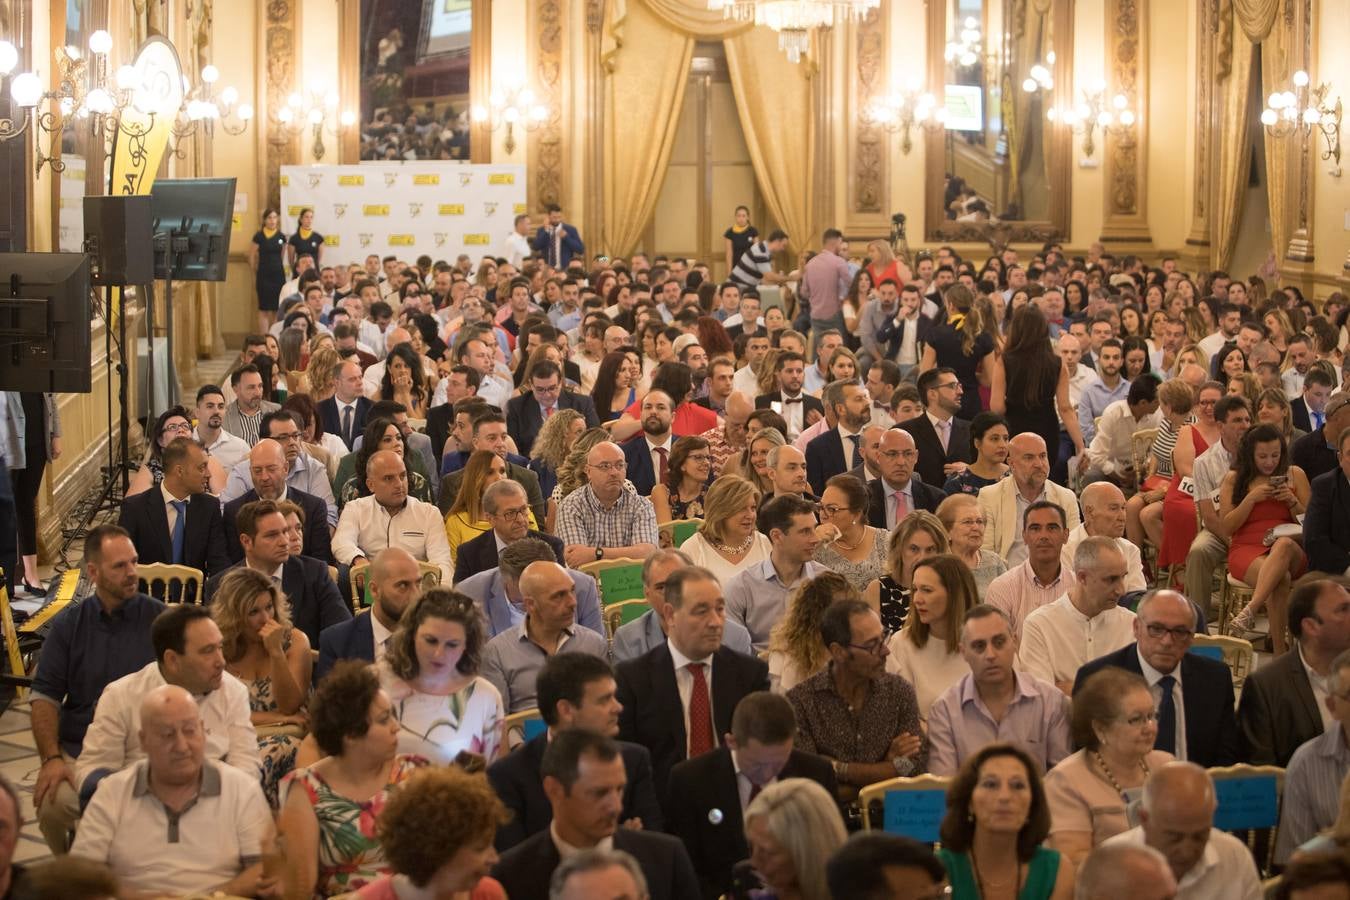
(1235, 157)
(646, 49)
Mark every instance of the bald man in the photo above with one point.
(215, 844)
(512, 659)
(388, 517)
(1193, 693)
(1104, 516)
(267, 471)
(1176, 818)
(729, 437)
(393, 581)
(897, 493)
(606, 518)
(1005, 502)
(1125, 872)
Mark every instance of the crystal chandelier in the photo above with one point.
(793, 20)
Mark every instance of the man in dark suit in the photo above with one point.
(1326, 527)
(393, 581)
(557, 242)
(655, 440)
(489, 433)
(461, 383)
(267, 468)
(758, 752)
(1278, 711)
(799, 410)
(654, 714)
(891, 335)
(575, 690)
(941, 391)
(1201, 688)
(315, 602)
(197, 537)
(525, 414)
(1315, 452)
(1310, 408)
(506, 507)
(584, 779)
(344, 414)
(825, 454)
(897, 457)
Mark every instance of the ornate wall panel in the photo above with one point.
(1206, 110)
(546, 26)
(869, 139)
(280, 24)
(1126, 170)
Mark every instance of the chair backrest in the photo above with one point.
(621, 613)
(616, 579)
(430, 574)
(1141, 442)
(356, 579)
(912, 807)
(176, 584)
(675, 533)
(1249, 806)
(522, 726)
(1234, 651)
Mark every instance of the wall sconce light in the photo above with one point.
(1094, 112)
(1039, 77)
(202, 108)
(319, 113)
(903, 111)
(511, 107)
(965, 50)
(1303, 109)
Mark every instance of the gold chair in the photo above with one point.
(1141, 442)
(519, 728)
(1232, 598)
(676, 532)
(876, 793)
(1237, 653)
(621, 613)
(616, 579)
(430, 574)
(1248, 817)
(167, 576)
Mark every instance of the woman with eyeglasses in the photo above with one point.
(1089, 792)
(918, 536)
(175, 422)
(961, 515)
(854, 549)
(681, 495)
(989, 435)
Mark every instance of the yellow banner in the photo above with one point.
(502, 178)
(450, 209)
(427, 179)
(518, 209)
(331, 240)
(375, 209)
(351, 180)
(477, 239)
(402, 240)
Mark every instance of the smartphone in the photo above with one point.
(1278, 481)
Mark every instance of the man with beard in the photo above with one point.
(648, 454)
(839, 449)
(942, 439)
(210, 414)
(1099, 393)
(393, 581)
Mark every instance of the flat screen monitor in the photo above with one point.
(197, 213)
(45, 322)
(965, 107)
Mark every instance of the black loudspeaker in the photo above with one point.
(117, 237)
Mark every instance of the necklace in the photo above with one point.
(737, 550)
(979, 879)
(1110, 778)
(841, 544)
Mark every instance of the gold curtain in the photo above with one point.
(773, 100)
(1234, 140)
(644, 92)
(1256, 17)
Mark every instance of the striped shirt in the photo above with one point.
(1163, 445)
(249, 425)
(753, 265)
(1312, 789)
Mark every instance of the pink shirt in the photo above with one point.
(825, 282)
(1018, 593)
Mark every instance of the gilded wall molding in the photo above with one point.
(280, 25)
(1126, 217)
(545, 154)
(869, 138)
(1206, 112)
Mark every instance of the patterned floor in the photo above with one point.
(19, 763)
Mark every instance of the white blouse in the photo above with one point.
(701, 553)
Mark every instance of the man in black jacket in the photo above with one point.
(584, 779)
(941, 392)
(710, 793)
(525, 414)
(897, 457)
(575, 690)
(507, 508)
(1326, 528)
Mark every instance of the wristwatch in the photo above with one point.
(599, 552)
(903, 765)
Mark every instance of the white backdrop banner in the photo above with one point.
(405, 209)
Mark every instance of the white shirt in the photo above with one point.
(517, 248)
(1057, 639)
(684, 683)
(1134, 565)
(1319, 688)
(1153, 676)
(747, 382)
(1209, 470)
(1211, 344)
(656, 457)
(368, 333)
(1226, 870)
(228, 449)
(113, 740)
(792, 414)
(496, 391)
(589, 369)
(1112, 447)
(381, 635)
(849, 445)
(1082, 376)
(169, 510)
(909, 343)
(365, 528)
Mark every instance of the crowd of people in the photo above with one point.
(920, 515)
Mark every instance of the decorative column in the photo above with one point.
(280, 24)
(1126, 170)
(545, 23)
(592, 213)
(868, 160)
(1197, 252)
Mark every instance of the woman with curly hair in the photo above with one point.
(382, 434)
(431, 673)
(406, 382)
(321, 373)
(615, 385)
(437, 834)
(271, 657)
(175, 422)
(681, 495)
(572, 472)
(329, 809)
(556, 436)
(918, 536)
(465, 520)
(796, 651)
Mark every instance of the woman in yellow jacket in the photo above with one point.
(466, 521)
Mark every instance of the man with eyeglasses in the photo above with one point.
(730, 436)
(897, 493)
(303, 472)
(995, 703)
(526, 414)
(943, 440)
(606, 518)
(507, 508)
(1193, 693)
(1312, 786)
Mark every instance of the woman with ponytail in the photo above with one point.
(962, 345)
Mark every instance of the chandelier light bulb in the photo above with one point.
(100, 42)
(73, 52)
(1127, 118)
(512, 115)
(126, 78)
(210, 74)
(67, 105)
(99, 101)
(1118, 101)
(315, 116)
(478, 113)
(968, 58)
(26, 89)
(347, 119)
(245, 111)
(1050, 57)
(1052, 114)
(229, 96)
(538, 113)
(285, 115)
(1269, 117)
(1311, 116)
(1301, 78)
(194, 110)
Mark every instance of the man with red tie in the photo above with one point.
(648, 454)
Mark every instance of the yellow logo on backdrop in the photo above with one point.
(465, 178)
(236, 221)
(518, 209)
(390, 178)
(479, 239)
(502, 178)
(365, 238)
(294, 210)
(332, 240)
(352, 180)
(450, 209)
(285, 181)
(427, 179)
(375, 209)
(402, 240)
(315, 179)
(414, 210)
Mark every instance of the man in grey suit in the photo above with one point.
(635, 638)
(243, 417)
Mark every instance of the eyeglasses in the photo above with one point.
(287, 437)
(872, 648)
(949, 384)
(896, 454)
(609, 466)
(512, 514)
(178, 426)
(1138, 720)
(833, 510)
(1179, 634)
(971, 523)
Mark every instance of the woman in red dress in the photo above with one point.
(1179, 523)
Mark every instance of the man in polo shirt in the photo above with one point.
(757, 597)
(1027, 587)
(512, 659)
(606, 519)
(756, 264)
(224, 447)
(215, 840)
(89, 645)
(1085, 623)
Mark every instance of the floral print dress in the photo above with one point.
(439, 727)
(278, 749)
(350, 856)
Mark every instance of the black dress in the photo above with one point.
(946, 342)
(740, 241)
(307, 246)
(894, 605)
(271, 269)
(1039, 418)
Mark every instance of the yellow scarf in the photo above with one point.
(957, 320)
(305, 233)
(269, 233)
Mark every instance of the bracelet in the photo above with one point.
(49, 758)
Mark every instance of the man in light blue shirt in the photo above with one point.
(303, 472)
(757, 597)
(648, 630)
(497, 591)
(1108, 387)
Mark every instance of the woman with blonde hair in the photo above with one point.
(927, 651)
(727, 542)
(322, 372)
(963, 517)
(766, 378)
(1278, 329)
(918, 536)
(1272, 408)
(551, 446)
(271, 657)
(796, 651)
(465, 520)
(755, 463)
(793, 827)
(1245, 385)
(883, 264)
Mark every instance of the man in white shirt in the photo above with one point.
(1104, 516)
(493, 388)
(1083, 624)
(516, 247)
(746, 380)
(220, 825)
(1209, 550)
(226, 448)
(1230, 323)
(817, 376)
(1110, 455)
(1176, 818)
(390, 518)
(1301, 358)
(188, 654)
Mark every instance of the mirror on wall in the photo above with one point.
(75, 142)
(415, 67)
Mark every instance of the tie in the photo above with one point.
(1167, 716)
(700, 713)
(1318, 419)
(179, 525)
(857, 453)
(901, 507)
(661, 476)
(944, 434)
(548, 413)
(754, 791)
(787, 400)
(347, 425)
